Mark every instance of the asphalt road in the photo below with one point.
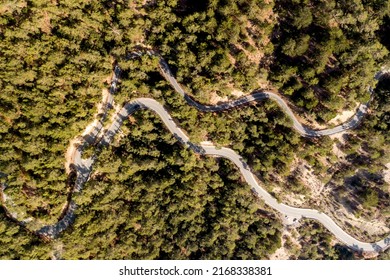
(100, 136)
(261, 95)
(297, 213)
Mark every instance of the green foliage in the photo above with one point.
(16, 243)
(53, 69)
(335, 47)
(150, 198)
(191, 208)
(371, 198)
(316, 243)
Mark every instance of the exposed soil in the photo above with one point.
(283, 253)
(386, 175)
(343, 117)
(215, 98)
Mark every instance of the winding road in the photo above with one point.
(101, 136)
(260, 95)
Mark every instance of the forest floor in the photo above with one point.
(320, 195)
(215, 98)
(386, 174)
(343, 116)
(283, 253)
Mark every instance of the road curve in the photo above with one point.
(227, 153)
(261, 95)
(100, 136)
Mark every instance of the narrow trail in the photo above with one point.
(99, 136)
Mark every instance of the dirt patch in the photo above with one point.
(231, 59)
(321, 198)
(6, 119)
(336, 146)
(237, 93)
(338, 152)
(108, 80)
(45, 24)
(254, 57)
(252, 34)
(10, 7)
(70, 154)
(215, 98)
(101, 105)
(280, 254)
(372, 227)
(304, 173)
(291, 199)
(290, 245)
(57, 252)
(311, 181)
(343, 117)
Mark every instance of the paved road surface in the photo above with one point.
(249, 177)
(260, 95)
(101, 137)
